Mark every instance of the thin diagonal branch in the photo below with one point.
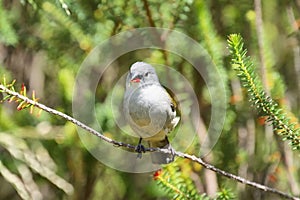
(208, 166)
(235, 177)
(148, 12)
(160, 38)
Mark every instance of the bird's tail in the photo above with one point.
(159, 157)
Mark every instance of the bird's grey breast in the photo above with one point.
(139, 107)
(149, 109)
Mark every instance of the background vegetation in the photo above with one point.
(43, 43)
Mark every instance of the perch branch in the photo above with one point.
(206, 165)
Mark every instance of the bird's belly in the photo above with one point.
(149, 112)
(148, 119)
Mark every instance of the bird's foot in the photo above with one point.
(140, 149)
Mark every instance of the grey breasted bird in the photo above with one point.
(150, 110)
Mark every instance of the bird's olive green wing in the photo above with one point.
(175, 103)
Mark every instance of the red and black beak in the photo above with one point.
(136, 78)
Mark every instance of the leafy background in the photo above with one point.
(43, 43)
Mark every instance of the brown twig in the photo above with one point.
(148, 12)
(4, 89)
(159, 38)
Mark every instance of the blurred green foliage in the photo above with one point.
(43, 43)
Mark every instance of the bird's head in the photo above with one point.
(142, 73)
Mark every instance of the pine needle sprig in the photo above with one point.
(266, 106)
(176, 184)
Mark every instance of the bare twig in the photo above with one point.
(260, 34)
(148, 12)
(160, 38)
(130, 146)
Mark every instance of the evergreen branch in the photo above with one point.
(176, 183)
(170, 188)
(4, 89)
(257, 96)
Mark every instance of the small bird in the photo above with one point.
(150, 110)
